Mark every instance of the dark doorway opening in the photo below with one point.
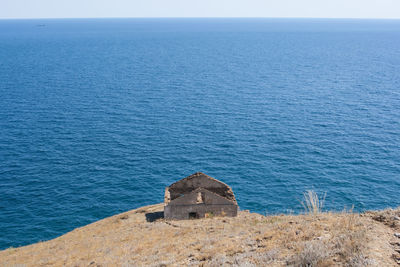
(193, 215)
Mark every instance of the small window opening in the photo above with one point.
(192, 215)
(200, 198)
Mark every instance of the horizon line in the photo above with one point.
(194, 17)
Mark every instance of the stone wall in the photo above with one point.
(182, 212)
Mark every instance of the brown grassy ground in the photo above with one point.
(326, 239)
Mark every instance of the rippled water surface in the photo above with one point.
(98, 116)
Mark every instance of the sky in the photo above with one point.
(200, 8)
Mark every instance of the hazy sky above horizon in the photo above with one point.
(199, 8)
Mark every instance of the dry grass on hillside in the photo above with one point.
(322, 239)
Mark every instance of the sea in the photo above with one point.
(98, 116)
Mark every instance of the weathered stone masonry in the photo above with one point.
(198, 195)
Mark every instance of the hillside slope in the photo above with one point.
(141, 238)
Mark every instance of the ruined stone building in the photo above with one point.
(197, 196)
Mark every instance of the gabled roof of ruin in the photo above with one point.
(198, 180)
(197, 175)
(201, 196)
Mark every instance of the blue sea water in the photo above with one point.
(98, 116)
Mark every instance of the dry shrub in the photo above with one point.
(267, 257)
(350, 239)
(329, 237)
(314, 253)
(349, 247)
(360, 261)
(313, 204)
(245, 259)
